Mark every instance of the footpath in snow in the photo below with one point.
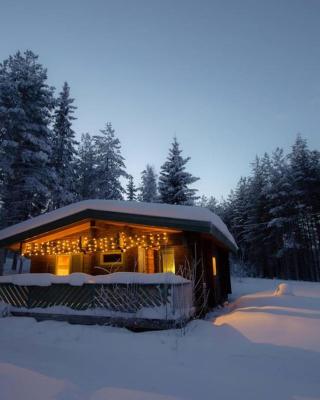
(263, 346)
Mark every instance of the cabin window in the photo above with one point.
(168, 264)
(111, 258)
(63, 265)
(141, 259)
(214, 266)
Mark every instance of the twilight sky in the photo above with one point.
(230, 78)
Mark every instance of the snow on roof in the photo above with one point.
(177, 212)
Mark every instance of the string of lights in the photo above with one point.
(121, 241)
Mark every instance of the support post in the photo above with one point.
(3, 256)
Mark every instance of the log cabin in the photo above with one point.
(102, 237)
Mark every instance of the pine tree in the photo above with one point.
(278, 190)
(211, 203)
(64, 150)
(203, 201)
(131, 189)
(303, 237)
(257, 211)
(279, 208)
(110, 165)
(148, 188)
(26, 102)
(238, 210)
(174, 181)
(86, 178)
(304, 177)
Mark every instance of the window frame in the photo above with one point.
(111, 264)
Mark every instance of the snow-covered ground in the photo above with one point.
(263, 346)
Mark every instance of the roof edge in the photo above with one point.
(164, 222)
(87, 211)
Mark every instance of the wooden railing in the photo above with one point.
(149, 305)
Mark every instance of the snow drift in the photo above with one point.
(268, 347)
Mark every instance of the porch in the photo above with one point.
(98, 247)
(132, 300)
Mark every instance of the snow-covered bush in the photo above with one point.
(283, 289)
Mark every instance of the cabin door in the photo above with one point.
(63, 263)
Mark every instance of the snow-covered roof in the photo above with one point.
(193, 218)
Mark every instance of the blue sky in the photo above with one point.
(231, 79)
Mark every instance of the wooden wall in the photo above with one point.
(186, 246)
(202, 248)
(43, 264)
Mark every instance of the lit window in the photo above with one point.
(63, 265)
(214, 266)
(168, 264)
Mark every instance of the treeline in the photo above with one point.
(274, 214)
(44, 167)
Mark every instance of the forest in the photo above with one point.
(274, 213)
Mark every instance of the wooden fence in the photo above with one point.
(133, 305)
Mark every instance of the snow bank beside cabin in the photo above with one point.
(79, 279)
(276, 312)
(192, 213)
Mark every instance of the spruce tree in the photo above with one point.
(110, 165)
(131, 191)
(304, 178)
(86, 178)
(211, 203)
(64, 150)
(203, 201)
(257, 211)
(174, 181)
(26, 102)
(238, 210)
(278, 190)
(148, 188)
